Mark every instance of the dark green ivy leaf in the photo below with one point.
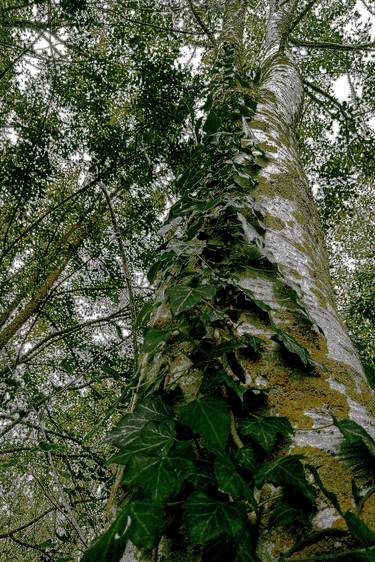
(328, 494)
(158, 476)
(359, 529)
(207, 519)
(228, 479)
(286, 513)
(357, 448)
(237, 388)
(45, 446)
(159, 265)
(184, 298)
(266, 431)
(208, 416)
(286, 471)
(110, 546)
(147, 521)
(153, 338)
(131, 425)
(143, 315)
(245, 550)
(247, 458)
(354, 433)
(212, 123)
(153, 438)
(295, 348)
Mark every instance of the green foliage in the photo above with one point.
(358, 447)
(207, 519)
(265, 431)
(141, 522)
(229, 480)
(209, 417)
(159, 477)
(183, 298)
(293, 347)
(110, 546)
(285, 471)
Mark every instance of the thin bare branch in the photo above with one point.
(330, 45)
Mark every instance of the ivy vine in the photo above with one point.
(193, 470)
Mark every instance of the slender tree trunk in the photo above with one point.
(299, 296)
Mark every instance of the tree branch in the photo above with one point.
(200, 22)
(36, 519)
(127, 274)
(330, 45)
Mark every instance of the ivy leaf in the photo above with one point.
(328, 494)
(258, 303)
(228, 479)
(209, 314)
(245, 550)
(286, 513)
(152, 410)
(160, 264)
(354, 433)
(208, 416)
(266, 431)
(147, 521)
(295, 348)
(184, 298)
(207, 519)
(370, 374)
(286, 471)
(143, 315)
(237, 388)
(359, 529)
(226, 347)
(109, 547)
(357, 448)
(153, 438)
(159, 476)
(153, 338)
(253, 342)
(247, 458)
(212, 123)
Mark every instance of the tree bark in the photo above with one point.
(293, 241)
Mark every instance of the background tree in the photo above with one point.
(99, 138)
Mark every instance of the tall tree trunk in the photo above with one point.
(307, 363)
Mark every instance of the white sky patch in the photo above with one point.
(341, 88)
(366, 15)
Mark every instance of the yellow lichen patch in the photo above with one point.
(324, 545)
(257, 124)
(355, 389)
(300, 218)
(321, 297)
(295, 395)
(267, 147)
(368, 512)
(273, 222)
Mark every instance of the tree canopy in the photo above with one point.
(104, 113)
